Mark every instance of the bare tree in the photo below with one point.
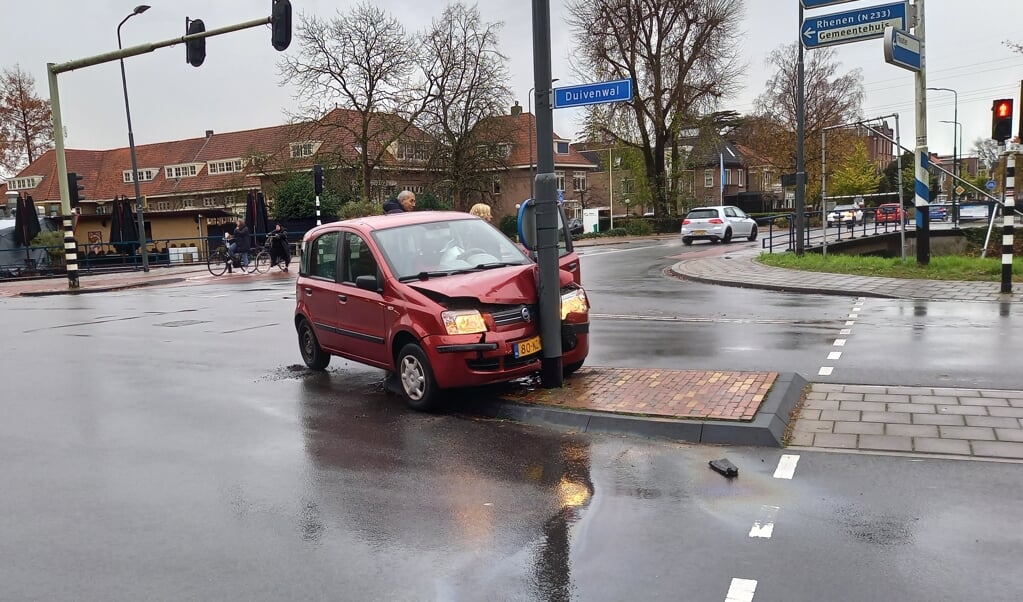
(26, 130)
(468, 77)
(682, 57)
(831, 98)
(987, 152)
(364, 64)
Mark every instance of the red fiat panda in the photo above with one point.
(442, 299)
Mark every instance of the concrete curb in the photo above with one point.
(678, 272)
(766, 429)
(102, 289)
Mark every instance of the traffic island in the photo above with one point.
(700, 406)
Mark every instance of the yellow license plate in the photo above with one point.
(527, 347)
(699, 232)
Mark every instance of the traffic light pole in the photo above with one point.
(1008, 220)
(55, 69)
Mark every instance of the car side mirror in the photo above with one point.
(367, 282)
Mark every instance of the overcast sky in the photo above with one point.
(238, 87)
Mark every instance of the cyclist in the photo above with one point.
(279, 250)
(239, 243)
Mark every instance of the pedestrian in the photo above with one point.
(405, 203)
(482, 211)
(279, 248)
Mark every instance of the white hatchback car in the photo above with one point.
(717, 224)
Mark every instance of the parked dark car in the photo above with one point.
(575, 226)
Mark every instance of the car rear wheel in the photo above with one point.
(687, 241)
(418, 387)
(753, 233)
(312, 354)
(727, 238)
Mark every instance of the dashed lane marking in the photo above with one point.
(786, 466)
(741, 590)
(835, 355)
(825, 371)
(763, 527)
(839, 342)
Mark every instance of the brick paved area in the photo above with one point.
(689, 394)
(967, 422)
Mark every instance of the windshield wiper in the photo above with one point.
(426, 275)
(497, 264)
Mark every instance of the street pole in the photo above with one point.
(922, 187)
(551, 375)
(800, 159)
(610, 190)
(67, 219)
(131, 146)
(955, 146)
(529, 111)
(1008, 219)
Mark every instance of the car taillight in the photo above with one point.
(715, 221)
(686, 222)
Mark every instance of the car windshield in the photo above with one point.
(846, 208)
(702, 214)
(442, 248)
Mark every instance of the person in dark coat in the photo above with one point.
(279, 248)
(405, 202)
(240, 243)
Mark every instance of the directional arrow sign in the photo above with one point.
(854, 25)
(902, 49)
(590, 94)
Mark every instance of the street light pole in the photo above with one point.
(955, 119)
(529, 110)
(131, 146)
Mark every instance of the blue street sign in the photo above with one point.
(990, 185)
(591, 94)
(854, 25)
(822, 3)
(902, 49)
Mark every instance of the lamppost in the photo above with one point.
(955, 119)
(955, 183)
(529, 111)
(131, 146)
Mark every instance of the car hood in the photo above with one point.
(513, 284)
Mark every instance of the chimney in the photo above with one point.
(516, 108)
(209, 133)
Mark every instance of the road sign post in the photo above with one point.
(854, 25)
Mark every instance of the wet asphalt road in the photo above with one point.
(162, 444)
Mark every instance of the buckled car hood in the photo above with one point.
(512, 284)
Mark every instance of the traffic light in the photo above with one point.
(280, 24)
(74, 188)
(195, 50)
(318, 179)
(1001, 119)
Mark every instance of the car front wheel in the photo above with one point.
(753, 233)
(418, 387)
(312, 354)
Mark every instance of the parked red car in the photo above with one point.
(888, 213)
(441, 299)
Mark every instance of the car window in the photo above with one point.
(322, 257)
(739, 212)
(702, 214)
(358, 258)
(730, 212)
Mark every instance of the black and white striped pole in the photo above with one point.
(1008, 220)
(318, 188)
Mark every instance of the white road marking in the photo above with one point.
(825, 371)
(786, 466)
(835, 355)
(845, 331)
(850, 322)
(853, 316)
(839, 342)
(855, 309)
(741, 590)
(763, 527)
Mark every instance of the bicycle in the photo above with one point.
(217, 262)
(264, 259)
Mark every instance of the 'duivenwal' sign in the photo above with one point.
(592, 94)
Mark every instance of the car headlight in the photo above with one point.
(574, 302)
(463, 321)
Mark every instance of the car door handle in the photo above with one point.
(342, 297)
(572, 266)
(308, 291)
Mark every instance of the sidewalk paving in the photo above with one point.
(730, 407)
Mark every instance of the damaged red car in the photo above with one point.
(441, 299)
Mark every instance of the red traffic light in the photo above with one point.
(1001, 119)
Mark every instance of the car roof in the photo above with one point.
(837, 207)
(712, 207)
(383, 222)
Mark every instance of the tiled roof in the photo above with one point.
(522, 130)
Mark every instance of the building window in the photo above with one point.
(410, 151)
(561, 147)
(24, 183)
(188, 203)
(102, 210)
(628, 187)
(561, 179)
(180, 171)
(211, 202)
(163, 205)
(228, 166)
(145, 175)
(742, 177)
(496, 186)
(708, 178)
(303, 149)
(579, 180)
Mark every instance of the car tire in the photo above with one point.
(687, 241)
(752, 233)
(568, 369)
(727, 238)
(415, 375)
(312, 354)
